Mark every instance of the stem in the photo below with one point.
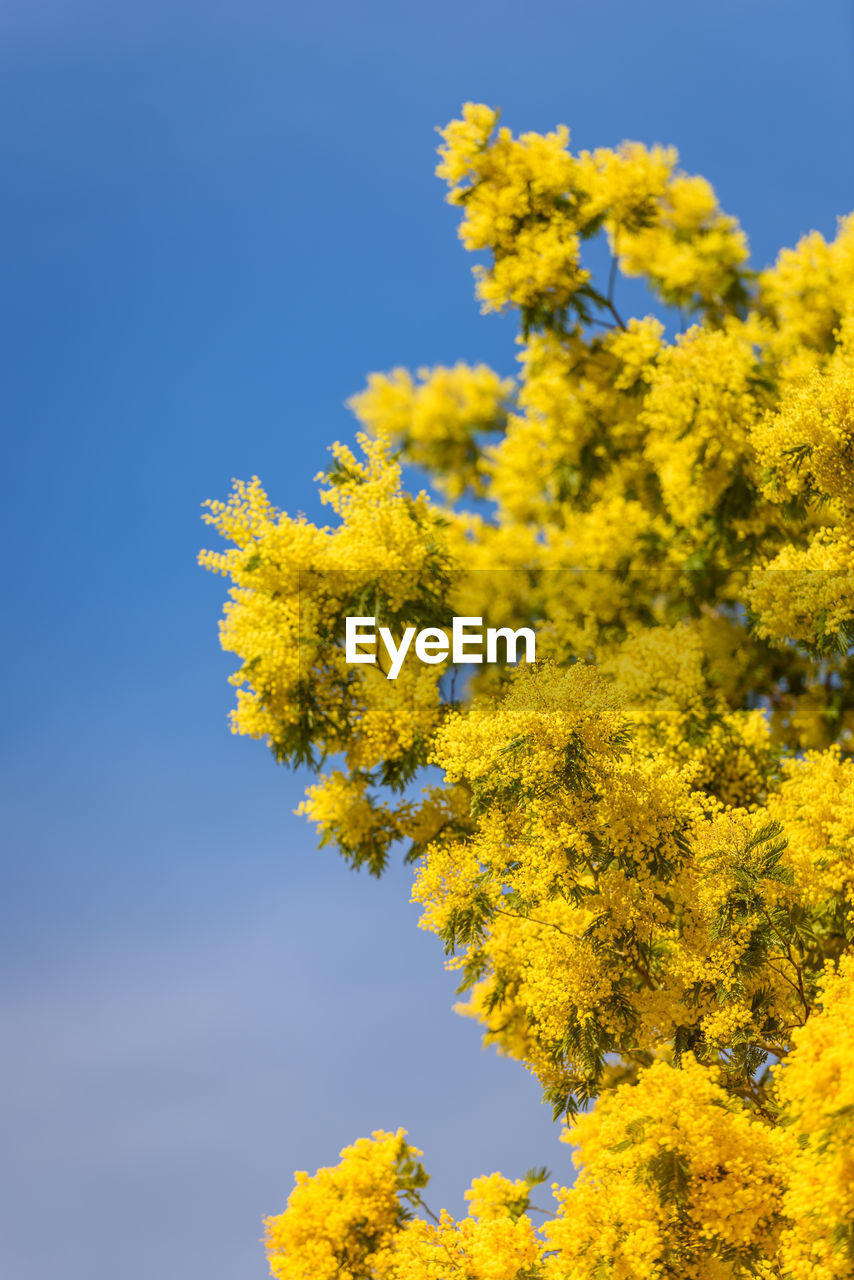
(548, 1212)
(775, 1050)
(787, 946)
(548, 924)
(416, 1198)
(750, 1092)
(612, 279)
(614, 312)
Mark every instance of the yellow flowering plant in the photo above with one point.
(638, 850)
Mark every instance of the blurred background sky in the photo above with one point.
(218, 217)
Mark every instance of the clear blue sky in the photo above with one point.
(217, 219)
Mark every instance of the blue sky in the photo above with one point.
(218, 218)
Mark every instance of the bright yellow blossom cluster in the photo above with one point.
(806, 591)
(438, 419)
(530, 202)
(338, 1221)
(676, 1180)
(808, 294)
(518, 200)
(817, 1091)
(639, 851)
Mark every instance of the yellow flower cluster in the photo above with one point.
(347, 815)
(579, 408)
(679, 709)
(639, 852)
(584, 924)
(815, 806)
(808, 291)
(531, 203)
(665, 226)
(626, 185)
(517, 199)
(498, 1248)
(341, 1218)
(807, 446)
(351, 1222)
(693, 254)
(438, 420)
(603, 901)
(806, 591)
(676, 1181)
(817, 1090)
(702, 402)
(294, 586)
